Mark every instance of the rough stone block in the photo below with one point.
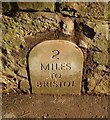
(24, 85)
(37, 6)
(91, 10)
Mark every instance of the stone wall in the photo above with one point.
(24, 24)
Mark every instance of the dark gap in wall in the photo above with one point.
(16, 71)
(3, 50)
(19, 84)
(84, 76)
(85, 29)
(88, 64)
(76, 26)
(85, 81)
(109, 50)
(10, 14)
(14, 6)
(88, 31)
(57, 6)
(4, 61)
(21, 46)
(28, 10)
(28, 73)
(13, 11)
(61, 24)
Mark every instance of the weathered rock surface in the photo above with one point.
(37, 6)
(90, 10)
(23, 29)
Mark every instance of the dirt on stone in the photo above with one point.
(54, 106)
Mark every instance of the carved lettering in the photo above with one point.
(46, 84)
(56, 53)
(38, 84)
(50, 84)
(44, 67)
(55, 75)
(68, 66)
(55, 66)
(67, 84)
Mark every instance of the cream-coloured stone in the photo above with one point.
(56, 68)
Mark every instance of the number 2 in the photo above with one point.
(56, 53)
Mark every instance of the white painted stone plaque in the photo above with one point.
(56, 67)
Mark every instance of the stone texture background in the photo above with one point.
(24, 23)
